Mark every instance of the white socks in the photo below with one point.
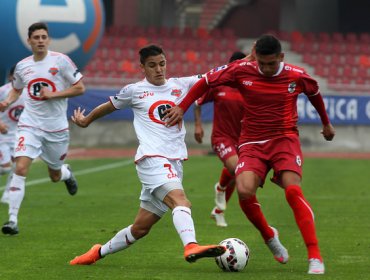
(184, 224)
(66, 174)
(120, 241)
(16, 194)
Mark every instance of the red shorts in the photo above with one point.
(224, 148)
(279, 154)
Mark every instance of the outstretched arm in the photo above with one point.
(328, 130)
(84, 121)
(74, 90)
(174, 115)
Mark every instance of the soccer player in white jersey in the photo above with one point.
(49, 79)
(8, 125)
(158, 159)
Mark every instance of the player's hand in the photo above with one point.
(328, 132)
(46, 93)
(173, 116)
(3, 106)
(3, 128)
(198, 133)
(79, 118)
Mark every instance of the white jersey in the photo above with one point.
(148, 103)
(57, 72)
(11, 115)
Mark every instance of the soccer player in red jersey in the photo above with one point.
(269, 137)
(228, 112)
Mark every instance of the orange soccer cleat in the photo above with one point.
(193, 251)
(90, 257)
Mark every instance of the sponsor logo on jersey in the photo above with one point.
(53, 71)
(35, 86)
(29, 71)
(176, 92)
(156, 111)
(15, 113)
(291, 87)
(146, 94)
(247, 83)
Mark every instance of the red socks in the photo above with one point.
(226, 177)
(252, 210)
(304, 218)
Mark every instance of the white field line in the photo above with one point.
(81, 172)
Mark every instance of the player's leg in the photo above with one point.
(288, 166)
(123, 239)
(227, 153)
(16, 193)
(250, 173)
(5, 169)
(176, 200)
(304, 218)
(27, 148)
(224, 189)
(54, 151)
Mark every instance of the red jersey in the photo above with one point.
(228, 111)
(270, 102)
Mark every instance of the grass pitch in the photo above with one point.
(55, 227)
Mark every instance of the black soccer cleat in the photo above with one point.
(10, 228)
(71, 183)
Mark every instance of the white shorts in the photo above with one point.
(52, 147)
(6, 152)
(158, 177)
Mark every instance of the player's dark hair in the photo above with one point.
(151, 50)
(237, 55)
(37, 26)
(268, 44)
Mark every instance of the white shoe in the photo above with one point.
(219, 218)
(220, 198)
(5, 197)
(315, 266)
(278, 250)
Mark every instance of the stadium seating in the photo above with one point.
(342, 59)
(189, 52)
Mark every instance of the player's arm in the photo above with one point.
(74, 90)
(175, 114)
(198, 129)
(98, 112)
(13, 95)
(317, 102)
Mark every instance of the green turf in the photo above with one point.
(54, 227)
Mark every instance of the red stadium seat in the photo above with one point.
(324, 37)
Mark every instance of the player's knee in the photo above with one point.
(245, 194)
(245, 191)
(21, 170)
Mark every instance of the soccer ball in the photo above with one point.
(236, 256)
